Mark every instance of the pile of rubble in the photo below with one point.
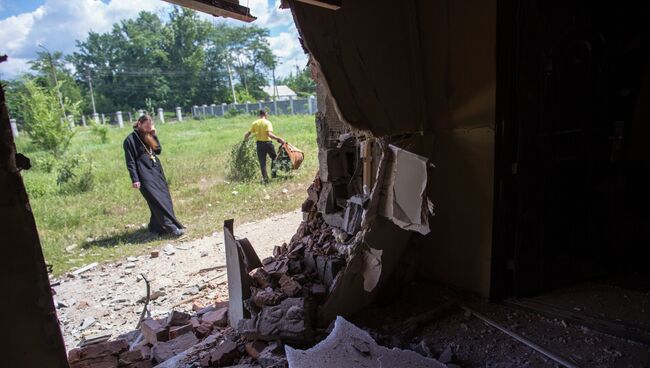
(285, 292)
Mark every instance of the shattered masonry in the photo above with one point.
(365, 201)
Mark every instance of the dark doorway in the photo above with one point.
(573, 168)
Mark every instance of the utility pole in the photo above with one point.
(53, 72)
(232, 87)
(92, 95)
(275, 88)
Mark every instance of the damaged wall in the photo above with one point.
(428, 68)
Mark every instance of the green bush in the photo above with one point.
(101, 131)
(243, 165)
(231, 113)
(44, 120)
(44, 162)
(75, 175)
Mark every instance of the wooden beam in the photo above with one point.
(327, 4)
(218, 8)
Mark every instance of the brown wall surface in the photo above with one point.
(459, 48)
(423, 66)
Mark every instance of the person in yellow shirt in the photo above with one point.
(263, 131)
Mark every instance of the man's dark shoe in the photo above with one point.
(178, 232)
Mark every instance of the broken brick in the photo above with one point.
(261, 278)
(155, 254)
(153, 331)
(176, 331)
(266, 297)
(178, 319)
(165, 350)
(290, 286)
(98, 350)
(224, 354)
(255, 348)
(132, 356)
(217, 317)
(107, 361)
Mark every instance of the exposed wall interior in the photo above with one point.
(427, 69)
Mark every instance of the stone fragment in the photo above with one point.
(224, 354)
(266, 297)
(272, 357)
(132, 356)
(155, 253)
(218, 318)
(290, 286)
(165, 350)
(176, 331)
(87, 322)
(107, 361)
(153, 331)
(255, 348)
(260, 277)
(286, 321)
(98, 350)
(177, 318)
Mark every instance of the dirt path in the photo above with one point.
(105, 300)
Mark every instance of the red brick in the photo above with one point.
(98, 350)
(108, 361)
(176, 331)
(218, 317)
(153, 331)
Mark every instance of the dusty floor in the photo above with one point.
(476, 344)
(107, 299)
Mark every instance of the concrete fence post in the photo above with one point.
(223, 109)
(130, 118)
(96, 118)
(213, 110)
(311, 104)
(103, 119)
(247, 107)
(14, 127)
(291, 105)
(83, 120)
(161, 115)
(204, 109)
(275, 107)
(120, 121)
(140, 113)
(195, 111)
(259, 105)
(179, 114)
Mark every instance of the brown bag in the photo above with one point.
(295, 155)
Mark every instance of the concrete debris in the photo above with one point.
(88, 321)
(85, 268)
(350, 346)
(169, 250)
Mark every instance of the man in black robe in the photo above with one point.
(140, 151)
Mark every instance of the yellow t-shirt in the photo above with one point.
(261, 129)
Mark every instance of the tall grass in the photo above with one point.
(106, 222)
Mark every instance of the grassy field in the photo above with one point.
(106, 222)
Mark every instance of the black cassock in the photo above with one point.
(153, 184)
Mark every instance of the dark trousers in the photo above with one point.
(263, 149)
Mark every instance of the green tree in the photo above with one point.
(186, 36)
(301, 82)
(44, 77)
(44, 121)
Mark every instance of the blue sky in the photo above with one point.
(58, 23)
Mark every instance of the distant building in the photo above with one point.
(281, 92)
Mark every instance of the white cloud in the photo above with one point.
(57, 24)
